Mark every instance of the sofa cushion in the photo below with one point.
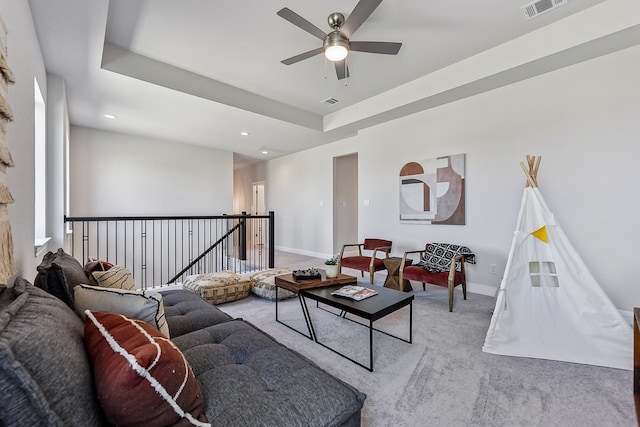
(263, 284)
(219, 287)
(142, 379)
(142, 305)
(115, 277)
(59, 273)
(45, 373)
(186, 312)
(362, 263)
(247, 376)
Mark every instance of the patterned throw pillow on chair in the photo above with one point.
(437, 257)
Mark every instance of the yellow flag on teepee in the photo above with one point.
(541, 233)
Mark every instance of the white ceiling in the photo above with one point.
(201, 71)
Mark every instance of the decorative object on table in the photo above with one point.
(308, 274)
(7, 262)
(432, 191)
(370, 263)
(357, 293)
(332, 266)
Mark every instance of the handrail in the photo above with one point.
(155, 218)
(203, 254)
(155, 248)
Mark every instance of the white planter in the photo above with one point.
(331, 270)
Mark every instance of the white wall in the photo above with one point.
(299, 189)
(25, 60)
(582, 120)
(114, 174)
(57, 135)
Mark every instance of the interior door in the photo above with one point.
(258, 207)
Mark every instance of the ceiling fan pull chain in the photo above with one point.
(325, 68)
(346, 72)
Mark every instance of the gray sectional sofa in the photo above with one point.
(246, 378)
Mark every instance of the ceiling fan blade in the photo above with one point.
(302, 56)
(360, 13)
(342, 70)
(302, 23)
(386, 48)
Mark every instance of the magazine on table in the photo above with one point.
(357, 293)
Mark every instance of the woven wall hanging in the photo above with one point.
(7, 262)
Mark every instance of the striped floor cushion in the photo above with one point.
(219, 287)
(263, 284)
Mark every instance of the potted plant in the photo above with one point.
(331, 266)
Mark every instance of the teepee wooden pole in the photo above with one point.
(537, 166)
(530, 180)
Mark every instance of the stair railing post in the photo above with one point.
(242, 236)
(272, 239)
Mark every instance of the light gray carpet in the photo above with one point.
(444, 378)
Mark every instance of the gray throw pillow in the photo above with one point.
(142, 305)
(59, 273)
(45, 373)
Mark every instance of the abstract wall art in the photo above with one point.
(432, 191)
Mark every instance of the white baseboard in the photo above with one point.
(303, 252)
(478, 288)
(490, 291)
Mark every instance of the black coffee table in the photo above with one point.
(373, 308)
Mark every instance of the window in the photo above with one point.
(40, 145)
(543, 274)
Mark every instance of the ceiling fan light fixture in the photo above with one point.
(336, 47)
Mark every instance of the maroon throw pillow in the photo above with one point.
(96, 265)
(142, 378)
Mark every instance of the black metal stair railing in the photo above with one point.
(161, 250)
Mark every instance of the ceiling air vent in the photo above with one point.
(536, 8)
(330, 101)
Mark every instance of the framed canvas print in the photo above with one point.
(432, 191)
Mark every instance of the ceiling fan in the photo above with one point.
(337, 44)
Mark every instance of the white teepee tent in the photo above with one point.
(549, 306)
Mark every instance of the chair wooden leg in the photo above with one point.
(464, 289)
(450, 297)
(362, 273)
(423, 287)
(371, 274)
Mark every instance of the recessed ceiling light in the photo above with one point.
(266, 150)
(110, 116)
(244, 133)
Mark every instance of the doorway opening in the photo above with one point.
(345, 200)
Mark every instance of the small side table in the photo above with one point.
(392, 265)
